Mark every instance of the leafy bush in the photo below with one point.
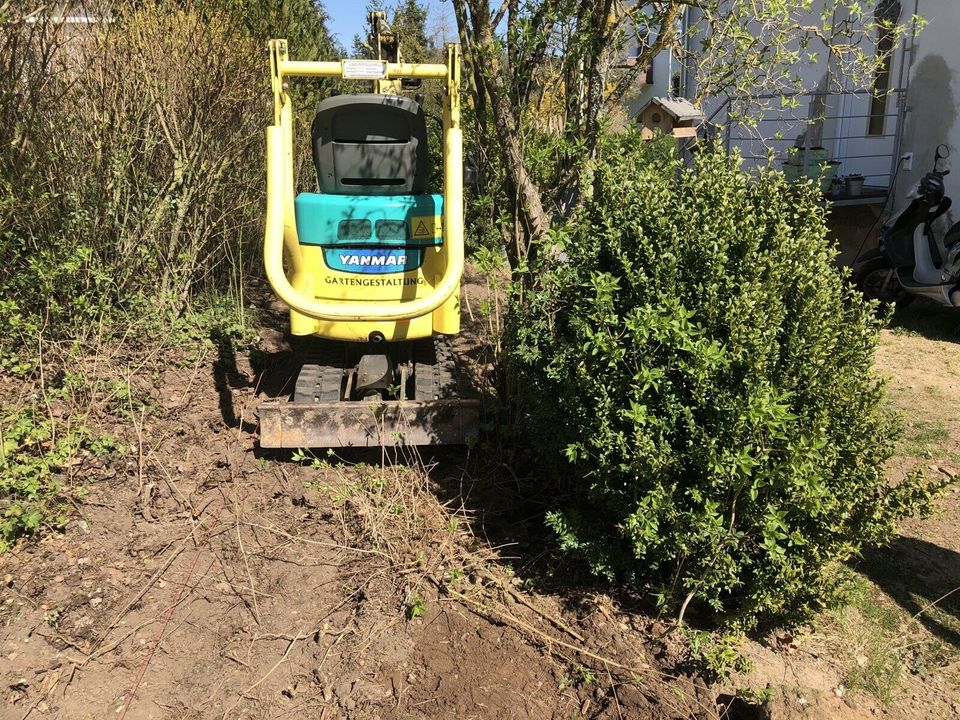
(35, 454)
(690, 352)
(131, 172)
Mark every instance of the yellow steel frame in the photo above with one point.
(281, 241)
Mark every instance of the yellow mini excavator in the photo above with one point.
(370, 264)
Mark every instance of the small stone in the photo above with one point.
(58, 578)
(95, 601)
(948, 471)
(839, 691)
(43, 708)
(343, 688)
(8, 579)
(82, 622)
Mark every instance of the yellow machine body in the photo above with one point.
(334, 286)
(370, 262)
(338, 305)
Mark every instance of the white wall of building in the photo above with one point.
(934, 96)
(663, 66)
(845, 134)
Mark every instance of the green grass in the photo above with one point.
(925, 438)
(926, 319)
(35, 450)
(862, 634)
(878, 643)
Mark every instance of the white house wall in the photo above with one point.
(663, 67)
(845, 130)
(844, 133)
(934, 96)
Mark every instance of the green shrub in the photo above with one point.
(131, 157)
(35, 453)
(692, 355)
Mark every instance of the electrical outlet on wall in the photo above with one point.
(907, 160)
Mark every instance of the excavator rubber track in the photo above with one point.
(431, 409)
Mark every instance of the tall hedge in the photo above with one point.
(131, 154)
(697, 372)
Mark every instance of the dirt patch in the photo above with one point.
(200, 578)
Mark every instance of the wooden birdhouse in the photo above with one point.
(669, 116)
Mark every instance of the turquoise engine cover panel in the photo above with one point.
(369, 221)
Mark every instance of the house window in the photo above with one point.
(644, 38)
(646, 75)
(887, 14)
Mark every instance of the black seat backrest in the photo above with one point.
(370, 144)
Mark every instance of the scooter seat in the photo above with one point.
(952, 236)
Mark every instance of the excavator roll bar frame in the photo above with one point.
(281, 241)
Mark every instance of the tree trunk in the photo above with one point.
(528, 207)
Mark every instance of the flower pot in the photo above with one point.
(824, 171)
(814, 156)
(854, 185)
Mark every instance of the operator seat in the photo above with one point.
(368, 144)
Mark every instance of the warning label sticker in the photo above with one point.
(425, 227)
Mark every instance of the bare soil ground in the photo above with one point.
(202, 578)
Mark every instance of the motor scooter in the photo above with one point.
(910, 261)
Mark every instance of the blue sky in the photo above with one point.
(348, 18)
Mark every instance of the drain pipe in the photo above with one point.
(903, 108)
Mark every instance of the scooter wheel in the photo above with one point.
(877, 280)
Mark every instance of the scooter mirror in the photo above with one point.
(943, 151)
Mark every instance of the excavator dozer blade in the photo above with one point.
(286, 424)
